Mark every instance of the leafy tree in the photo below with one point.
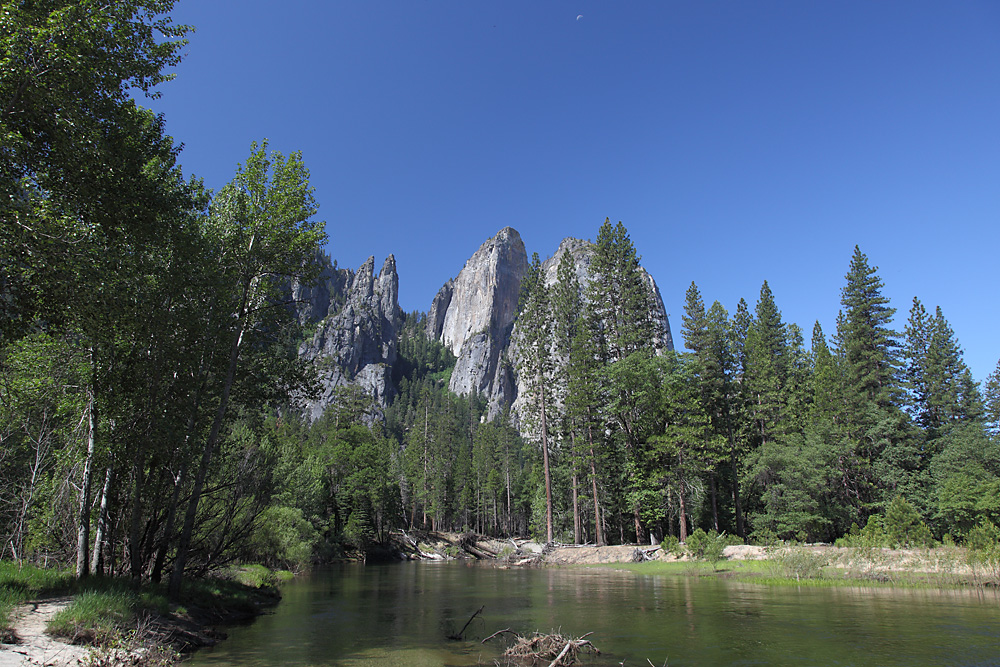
(263, 223)
(70, 133)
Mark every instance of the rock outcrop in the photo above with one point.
(314, 302)
(473, 315)
(356, 344)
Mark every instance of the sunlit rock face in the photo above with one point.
(472, 315)
(356, 343)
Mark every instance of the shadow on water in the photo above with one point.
(402, 614)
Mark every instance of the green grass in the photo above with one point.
(782, 572)
(94, 617)
(20, 583)
(102, 607)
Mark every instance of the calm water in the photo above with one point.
(401, 615)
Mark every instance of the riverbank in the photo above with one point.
(818, 565)
(49, 619)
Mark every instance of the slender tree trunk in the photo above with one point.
(102, 522)
(576, 507)
(168, 529)
(510, 507)
(598, 528)
(715, 505)
(680, 499)
(83, 530)
(545, 464)
(177, 574)
(135, 524)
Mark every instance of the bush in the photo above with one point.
(903, 526)
(983, 544)
(671, 545)
(705, 546)
(800, 563)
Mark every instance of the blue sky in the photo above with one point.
(737, 141)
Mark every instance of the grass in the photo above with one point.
(103, 607)
(801, 567)
(20, 583)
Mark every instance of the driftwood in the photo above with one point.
(640, 555)
(461, 632)
(470, 545)
(538, 648)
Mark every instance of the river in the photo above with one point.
(401, 614)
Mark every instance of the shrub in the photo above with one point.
(705, 546)
(903, 526)
(800, 563)
(671, 545)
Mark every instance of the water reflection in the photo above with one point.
(402, 614)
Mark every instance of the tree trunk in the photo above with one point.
(135, 525)
(545, 465)
(576, 507)
(83, 530)
(680, 499)
(715, 505)
(598, 528)
(102, 522)
(177, 574)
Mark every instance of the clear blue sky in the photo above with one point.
(737, 141)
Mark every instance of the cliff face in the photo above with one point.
(312, 303)
(473, 315)
(357, 343)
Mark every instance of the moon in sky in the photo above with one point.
(579, 16)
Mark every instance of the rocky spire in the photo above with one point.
(357, 344)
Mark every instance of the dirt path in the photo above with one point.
(34, 647)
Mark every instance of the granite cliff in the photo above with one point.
(354, 343)
(473, 315)
(356, 321)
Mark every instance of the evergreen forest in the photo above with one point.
(150, 381)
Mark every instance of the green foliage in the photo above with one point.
(983, 544)
(671, 545)
(286, 537)
(903, 526)
(706, 546)
(798, 562)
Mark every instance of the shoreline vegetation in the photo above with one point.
(49, 617)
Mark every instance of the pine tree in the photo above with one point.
(706, 370)
(869, 345)
(567, 310)
(535, 365)
(991, 397)
(726, 409)
(767, 367)
(619, 297)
